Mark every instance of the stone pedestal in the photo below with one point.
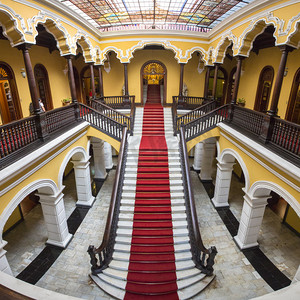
(209, 152)
(83, 183)
(251, 219)
(55, 219)
(222, 187)
(4, 266)
(198, 156)
(99, 159)
(108, 156)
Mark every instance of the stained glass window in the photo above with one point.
(199, 15)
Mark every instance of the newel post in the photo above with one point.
(180, 95)
(126, 101)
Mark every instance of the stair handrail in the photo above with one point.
(100, 121)
(105, 250)
(114, 114)
(202, 257)
(195, 113)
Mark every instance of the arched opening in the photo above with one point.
(10, 108)
(43, 86)
(221, 84)
(153, 82)
(264, 89)
(293, 110)
(231, 85)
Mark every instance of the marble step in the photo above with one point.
(129, 217)
(173, 169)
(175, 224)
(133, 176)
(176, 240)
(172, 164)
(131, 196)
(123, 265)
(176, 232)
(173, 188)
(177, 248)
(122, 275)
(133, 182)
(170, 158)
(131, 202)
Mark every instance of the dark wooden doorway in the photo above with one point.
(221, 84)
(293, 110)
(10, 108)
(77, 85)
(264, 89)
(231, 85)
(43, 86)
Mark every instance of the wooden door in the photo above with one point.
(293, 110)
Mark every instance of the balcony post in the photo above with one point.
(214, 91)
(126, 101)
(71, 78)
(41, 126)
(237, 78)
(181, 103)
(100, 81)
(92, 80)
(208, 69)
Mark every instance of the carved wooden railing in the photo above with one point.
(248, 119)
(286, 135)
(202, 257)
(189, 102)
(101, 121)
(118, 102)
(59, 118)
(16, 135)
(114, 114)
(206, 122)
(195, 113)
(101, 256)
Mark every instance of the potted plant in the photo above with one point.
(66, 101)
(241, 102)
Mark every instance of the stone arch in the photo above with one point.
(250, 33)
(44, 186)
(106, 51)
(261, 188)
(98, 56)
(58, 32)
(10, 27)
(294, 37)
(78, 154)
(86, 47)
(221, 49)
(229, 156)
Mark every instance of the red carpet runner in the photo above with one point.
(153, 93)
(152, 270)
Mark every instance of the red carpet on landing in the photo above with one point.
(152, 269)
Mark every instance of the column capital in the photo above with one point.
(69, 56)
(81, 164)
(286, 48)
(24, 47)
(256, 201)
(225, 166)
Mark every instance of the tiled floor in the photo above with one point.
(235, 277)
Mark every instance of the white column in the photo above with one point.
(192, 152)
(251, 219)
(209, 149)
(222, 186)
(108, 156)
(99, 159)
(198, 156)
(55, 218)
(4, 266)
(83, 183)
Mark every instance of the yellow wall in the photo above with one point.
(13, 219)
(252, 67)
(293, 220)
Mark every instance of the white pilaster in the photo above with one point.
(198, 156)
(83, 183)
(222, 186)
(209, 149)
(55, 218)
(251, 219)
(108, 156)
(4, 266)
(99, 159)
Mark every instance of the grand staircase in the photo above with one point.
(153, 93)
(152, 255)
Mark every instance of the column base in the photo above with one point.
(88, 203)
(63, 244)
(243, 246)
(205, 179)
(100, 178)
(197, 170)
(217, 204)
